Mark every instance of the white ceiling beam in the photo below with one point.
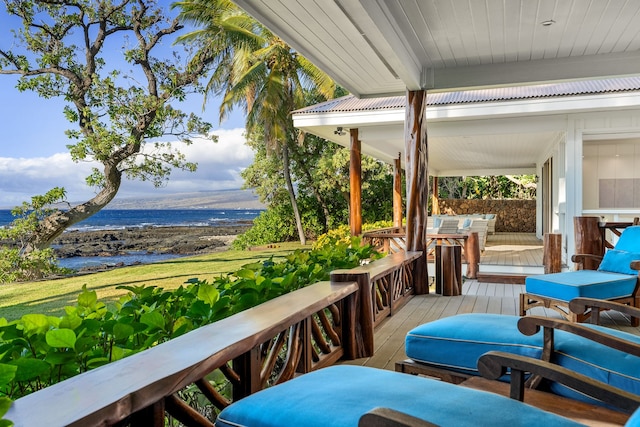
(532, 72)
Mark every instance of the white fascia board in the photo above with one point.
(564, 104)
(561, 104)
(350, 119)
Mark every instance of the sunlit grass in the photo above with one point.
(51, 296)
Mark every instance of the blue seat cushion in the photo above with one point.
(597, 361)
(457, 342)
(582, 283)
(340, 395)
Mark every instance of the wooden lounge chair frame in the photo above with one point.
(530, 300)
(529, 325)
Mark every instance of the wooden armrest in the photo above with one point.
(582, 257)
(580, 305)
(635, 265)
(386, 417)
(530, 325)
(494, 364)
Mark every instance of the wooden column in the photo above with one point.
(415, 137)
(397, 194)
(355, 184)
(435, 203)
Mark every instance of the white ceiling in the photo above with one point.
(382, 47)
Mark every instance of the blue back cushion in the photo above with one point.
(627, 249)
(629, 239)
(616, 261)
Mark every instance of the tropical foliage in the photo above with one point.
(257, 71)
(61, 51)
(488, 187)
(39, 350)
(15, 265)
(321, 172)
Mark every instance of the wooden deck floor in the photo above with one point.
(517, 249)
(476, 297)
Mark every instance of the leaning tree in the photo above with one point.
(113, 64)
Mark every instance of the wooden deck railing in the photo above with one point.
(296, 333)
(387, 240)
(393, 240)
(385, 286)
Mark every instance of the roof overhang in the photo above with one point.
(468, 139)
(384, 47)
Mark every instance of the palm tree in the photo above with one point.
(257, 71)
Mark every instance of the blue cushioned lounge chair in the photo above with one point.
(449, 348)
(352, 396)
(614, 280)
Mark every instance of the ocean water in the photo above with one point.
(115, 219)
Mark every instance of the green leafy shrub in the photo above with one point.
(19, 260)
(43, 350)
(270, 226)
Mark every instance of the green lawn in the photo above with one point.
(51, 296)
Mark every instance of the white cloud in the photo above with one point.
(219, 167)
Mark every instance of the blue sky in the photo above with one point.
(34, 157)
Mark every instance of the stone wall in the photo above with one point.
(511, 215)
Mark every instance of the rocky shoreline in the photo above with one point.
(152, 240)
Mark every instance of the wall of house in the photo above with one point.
(611, 174)
(513, 216)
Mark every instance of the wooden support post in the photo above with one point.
(588, 239)
(355, 184)
(364, 320)
(397, 194)
(416, 168)
(472, 254)
(552, 256)
(435, 201)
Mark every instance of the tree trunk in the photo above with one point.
(292, 194)
(316, 193)
(55, 224)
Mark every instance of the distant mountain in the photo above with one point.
(223, 199)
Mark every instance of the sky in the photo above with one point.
(34, 157)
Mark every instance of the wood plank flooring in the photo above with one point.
(476, 297)
(517, 249)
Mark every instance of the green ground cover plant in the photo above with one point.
(41, 349)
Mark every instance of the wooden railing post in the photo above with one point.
(552, 256)
(364, 310)
(588, 239)
(247, 366)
